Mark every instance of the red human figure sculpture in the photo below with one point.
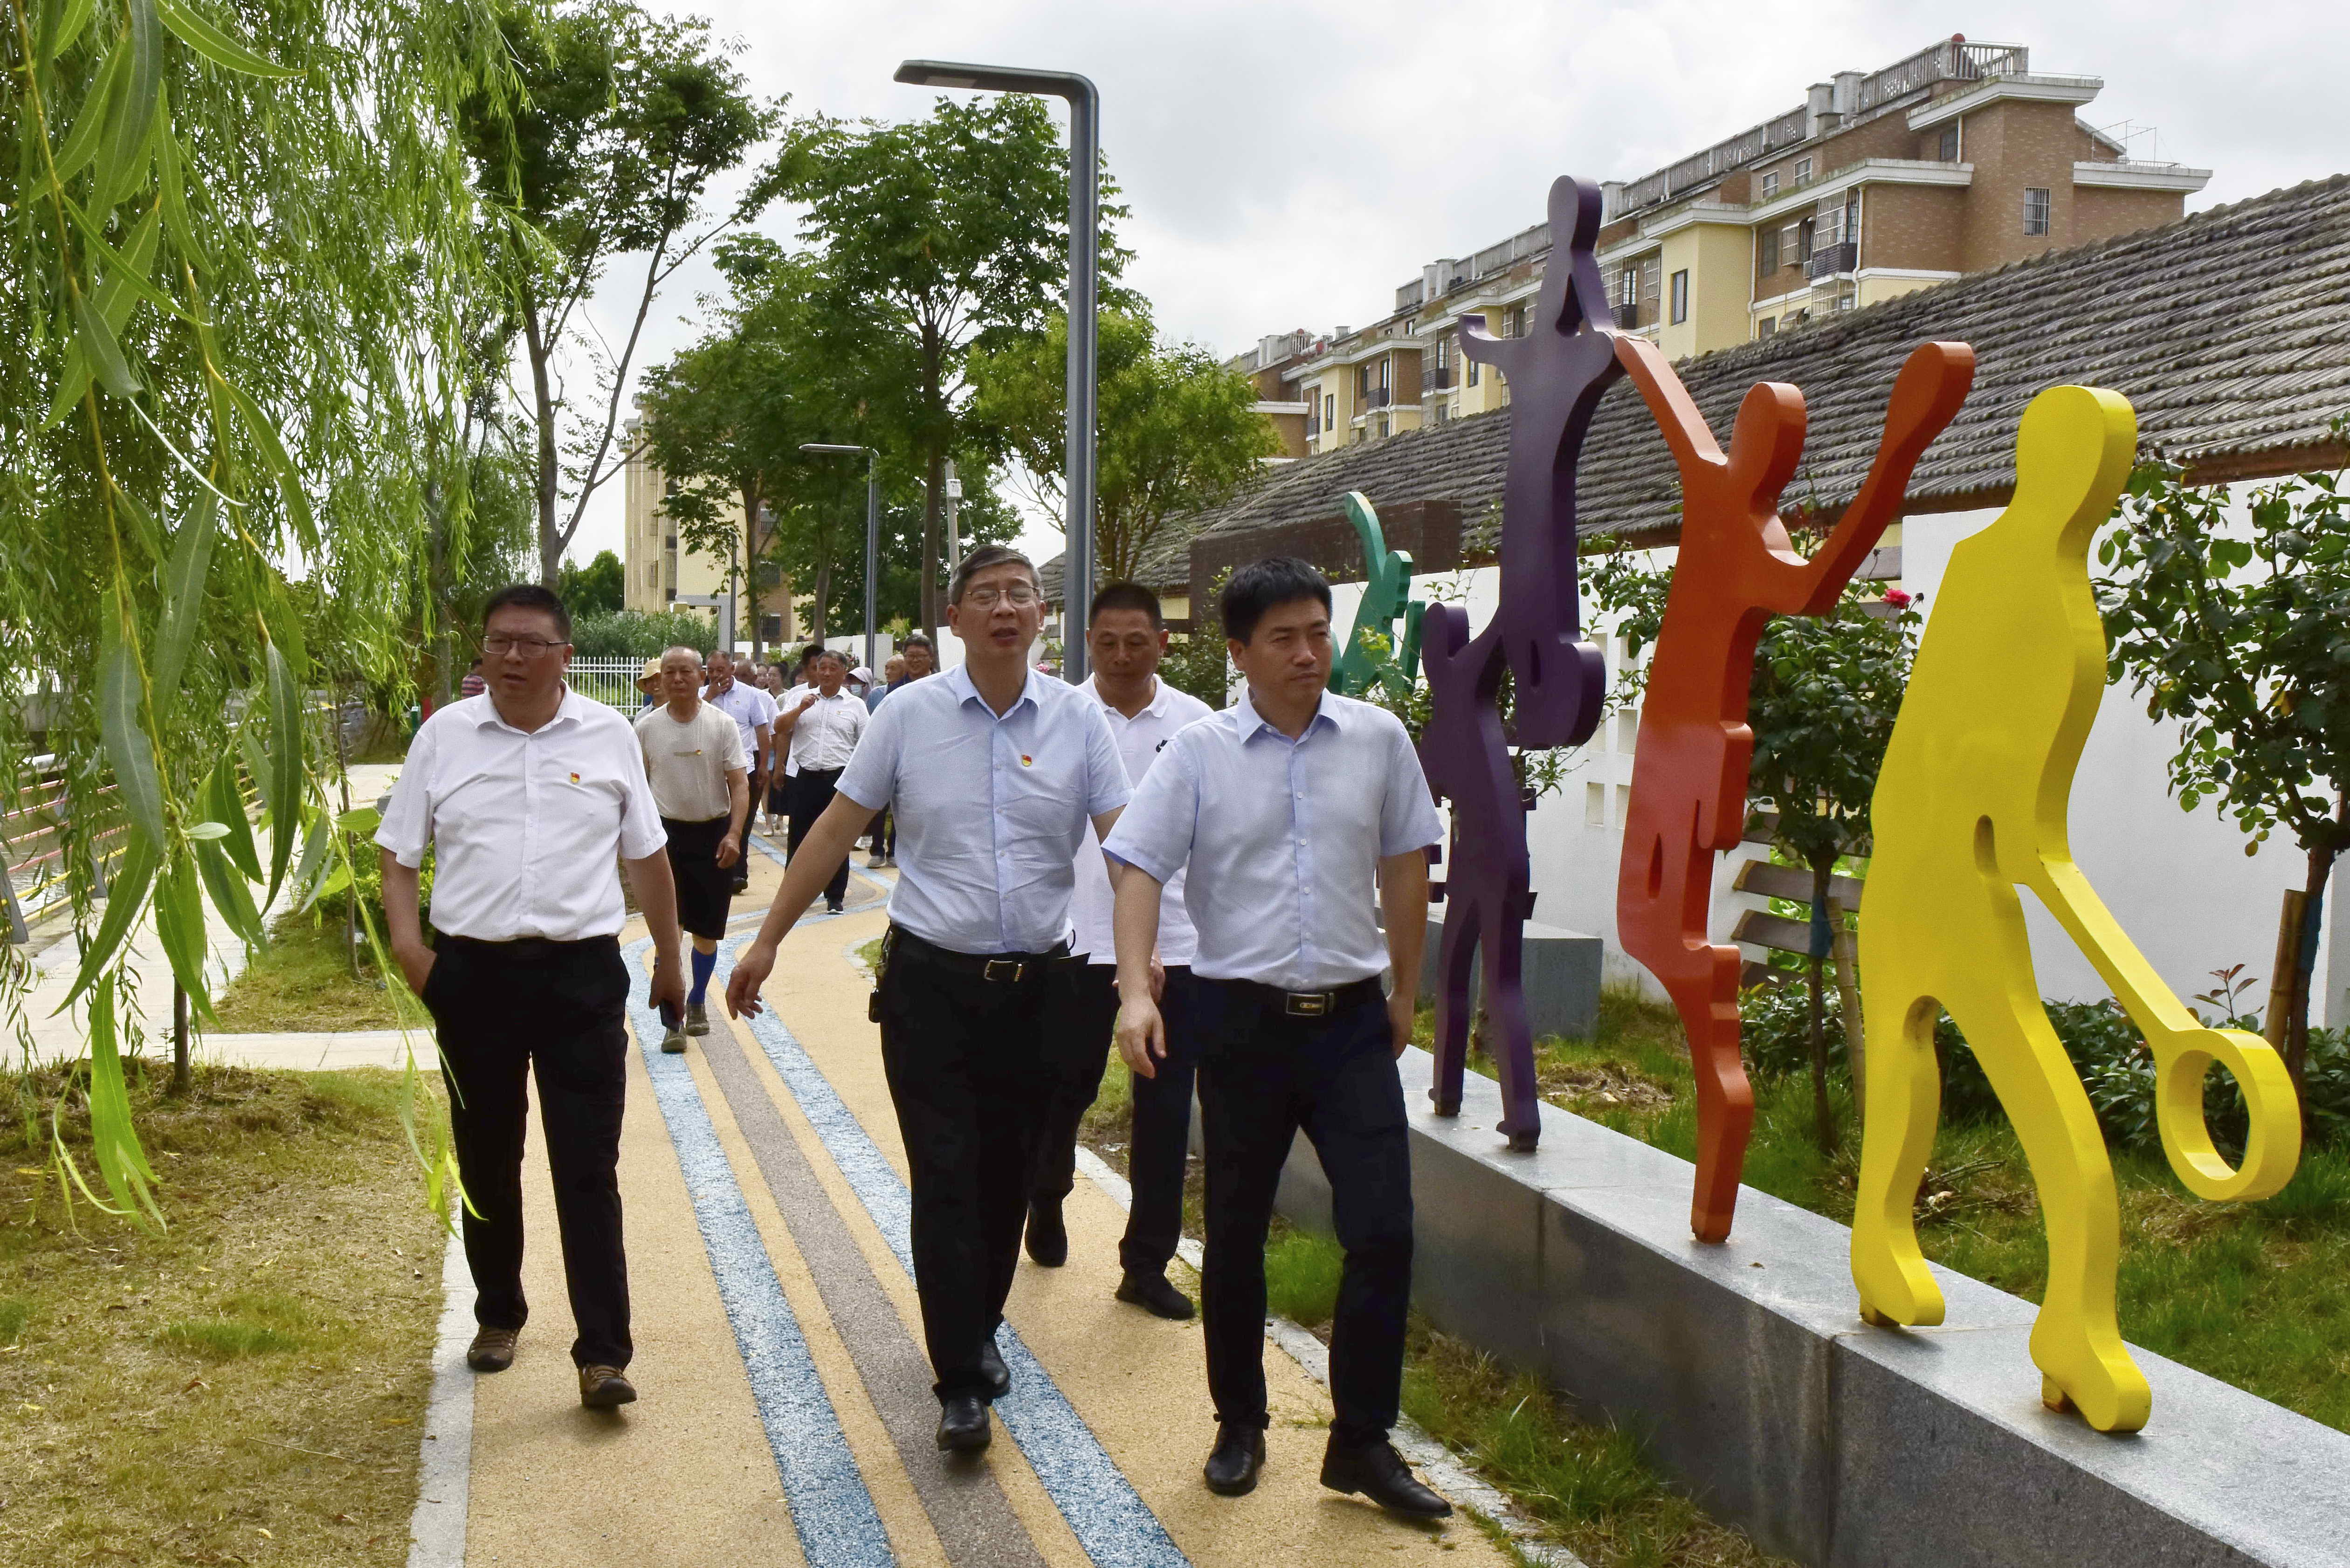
(1558, 372)
(1735, 569)
(1488, 883)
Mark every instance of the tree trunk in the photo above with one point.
(754, 545)
(2313, 916)
(1847, 966)
(1824, 1119)
(934, 524)
(180, 1080)
(817, 618)
(550, 472)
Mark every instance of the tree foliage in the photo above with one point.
(2241, 636)
(599, 588)
(1178, 431)
(235, 263)
(623, 121)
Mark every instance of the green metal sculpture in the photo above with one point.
(1386, 588)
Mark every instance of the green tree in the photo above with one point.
(234, 297)
(598, 588)
(624, 121)
(1179, 432)
(939, 237)
(2241, 636)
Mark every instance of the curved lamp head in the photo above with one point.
(997, 78)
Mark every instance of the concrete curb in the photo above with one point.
(436, 1530)
(1432, 1458)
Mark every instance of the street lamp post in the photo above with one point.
(872, 539)
(1085, 247)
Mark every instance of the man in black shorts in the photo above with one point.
(693, 756)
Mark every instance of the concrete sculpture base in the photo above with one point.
(1747, 1368)
(1560, 970)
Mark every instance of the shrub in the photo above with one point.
(640, 634)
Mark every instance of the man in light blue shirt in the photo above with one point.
(1282, 809)
(994, 771)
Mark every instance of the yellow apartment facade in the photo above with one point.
(660, 574)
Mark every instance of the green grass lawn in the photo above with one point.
(304, 980)
(2250, 1293)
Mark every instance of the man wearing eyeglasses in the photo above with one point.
(994, 772)
(527, 796)
(754, 712)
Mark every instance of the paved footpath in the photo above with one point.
(787, 1414)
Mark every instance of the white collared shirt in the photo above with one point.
(751, 709)
(825, 737)
(990, 810)
(1281, 838)
(1139, 741)
(526, 826)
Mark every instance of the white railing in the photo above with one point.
(611, 681)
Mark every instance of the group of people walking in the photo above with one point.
(1213, 893)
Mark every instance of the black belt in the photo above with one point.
(1310, 1003)
(1013, 968)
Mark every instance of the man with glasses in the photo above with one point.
(529, 795)
(994, 772)
(821, 730)
(754, 712)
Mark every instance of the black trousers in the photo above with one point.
(503, 1010)
(811, 792)
(965, 1061)
(1161, 1136)
(1263, 1074)
(1077, 1049)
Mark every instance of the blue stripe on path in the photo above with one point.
(831, 1510)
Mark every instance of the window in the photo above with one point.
(1802, 169)
(1852, 220)
(1804, 232)
(1770, 185)
(1767, 253)
(1473, 368)
(2035, 209)
(1681, 296)
(1362, 385)
(1629, 285)
(1330, 410)
(1766, 327)
(1947, 149)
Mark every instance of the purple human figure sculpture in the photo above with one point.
(1488, 886)
(1557, 373)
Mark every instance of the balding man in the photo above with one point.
(693, 757)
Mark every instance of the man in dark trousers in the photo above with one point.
(1284, 808)
(1126, 636)
(817, 730)
(993, 771)
(530, 797)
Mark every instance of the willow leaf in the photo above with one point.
(289, 481)
(224, 803)
(127, 270)
(180, 926)
(172, 184)
(114, 1142)
(284, 764)
(99, 346)
(200, 35)
(82, 141)
(125, 738)
(183, 604)
(314, 866)
(124, 896)
(230, 895)
(123, 161)
(71, 18)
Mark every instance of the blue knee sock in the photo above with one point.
(704, 962)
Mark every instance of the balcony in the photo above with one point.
(1627, 317)
(1828, 261)
(1435, 381)
(1377, 398)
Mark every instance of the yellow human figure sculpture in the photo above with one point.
(1969, 805)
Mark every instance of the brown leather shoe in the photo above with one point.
(492, 1350)
(605, 1389)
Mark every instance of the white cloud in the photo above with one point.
(1289, 164)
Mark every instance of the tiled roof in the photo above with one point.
(2229, 331)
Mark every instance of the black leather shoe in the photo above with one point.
(964, 1426)
(1153, 1294)
(1047, 1239)
(992, 1367)
(1233, 1465)
(1378, 1472)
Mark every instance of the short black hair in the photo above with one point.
(1127, 597)
(979, 560)
(529, 595)
(1260, 585)
(817, 656)
(810, 653)
(917, 639)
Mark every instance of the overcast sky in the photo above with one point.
(1288, 164)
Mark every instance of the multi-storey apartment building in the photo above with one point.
(662, 574)
(1956, 160)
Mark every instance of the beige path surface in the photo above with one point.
(691, 1475)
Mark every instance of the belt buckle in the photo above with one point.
(1305, 1003)
(1015, 966)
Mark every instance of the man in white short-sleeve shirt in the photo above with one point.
(819, 728)
(528, 796)
(993, 771)
(1302, 818)
(1126, 636)
(754, 712)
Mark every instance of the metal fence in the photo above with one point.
(611, 681)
